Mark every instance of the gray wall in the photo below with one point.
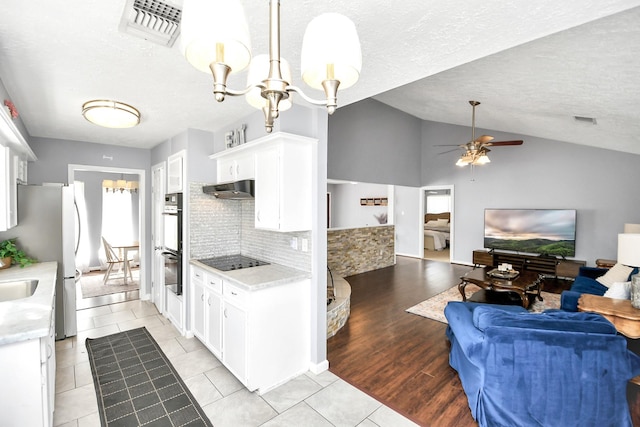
(600, 184)
(372, 142)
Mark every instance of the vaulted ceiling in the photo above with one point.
(533, 65)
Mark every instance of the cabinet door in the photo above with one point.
(175, 166)
(214, 322)
(226, 170)
(245, 167)
(5, 191)
(199, 306)
(236, 168)
(267, 201)
(234, 338)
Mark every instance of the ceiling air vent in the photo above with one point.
(582, 119)
(151, 20)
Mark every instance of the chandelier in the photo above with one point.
(120, 185)
(215, 39)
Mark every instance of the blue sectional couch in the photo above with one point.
(550, 369)
(585, 283)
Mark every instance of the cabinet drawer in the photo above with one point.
(235, 295)
(197, 275)
(483, 258)
(213, 283)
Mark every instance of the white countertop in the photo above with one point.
(256, 278)
(28, 318)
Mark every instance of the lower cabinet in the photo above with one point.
(207, 309)
(28, 381)
(235, 340)
(261, 336)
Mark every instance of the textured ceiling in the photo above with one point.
(533, 65)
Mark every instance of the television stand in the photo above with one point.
(550, 266)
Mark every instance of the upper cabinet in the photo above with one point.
(236, 168)
(8, 190)
(175, 172)
(283, 186)
(281, 164)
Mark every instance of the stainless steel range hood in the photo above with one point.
(234, 190)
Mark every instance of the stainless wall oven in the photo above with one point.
(172, 248)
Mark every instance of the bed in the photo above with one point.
(436, 231)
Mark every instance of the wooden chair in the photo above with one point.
(112, 260)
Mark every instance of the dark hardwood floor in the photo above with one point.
(399, 358)
(402, 359)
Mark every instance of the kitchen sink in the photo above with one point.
(16, 289)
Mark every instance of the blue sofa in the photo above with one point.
(549, 369)
(585, 283)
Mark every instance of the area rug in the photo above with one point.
(93, 286)
(137, 385)
(433, 308)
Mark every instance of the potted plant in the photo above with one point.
(10, 254)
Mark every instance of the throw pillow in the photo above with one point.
(619, 290)
(617, 273)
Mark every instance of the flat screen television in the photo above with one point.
(548, 232)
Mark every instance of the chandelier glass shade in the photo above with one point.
(215, 39)
(120, 185)
(110, 114)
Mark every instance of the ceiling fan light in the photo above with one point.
(331, 51)
(258, 71)
(110, 114)
(215, 31)
(482, 160)
(462, 162)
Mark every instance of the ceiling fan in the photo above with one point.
(475, 151)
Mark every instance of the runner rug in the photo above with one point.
(137, 385)
(433, 308)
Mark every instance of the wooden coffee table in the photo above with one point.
(527, 283)
(624, 317)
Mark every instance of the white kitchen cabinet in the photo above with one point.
(283, 186)
(8, 189)
(236, 168)
(28, 391)
(197, 303)
(235, 340)
(175, 172)
(207, 309)
(261, 335)
(175, 309)
(266, 333)
(213, 310)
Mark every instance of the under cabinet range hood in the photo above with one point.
(238, 190)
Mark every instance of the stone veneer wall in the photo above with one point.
(358, 250)
(224, 227)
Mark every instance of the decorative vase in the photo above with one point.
(5, 262)
(635, 291)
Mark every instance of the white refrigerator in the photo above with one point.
(46, 232)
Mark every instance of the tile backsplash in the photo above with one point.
(224, 227)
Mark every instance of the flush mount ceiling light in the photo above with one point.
(110, 114)
(215, 39)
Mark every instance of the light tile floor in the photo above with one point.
(308, 400)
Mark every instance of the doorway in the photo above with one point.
(437, 222)
(91, 281)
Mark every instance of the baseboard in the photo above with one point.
(318, 368)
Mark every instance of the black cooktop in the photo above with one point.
(232, 262)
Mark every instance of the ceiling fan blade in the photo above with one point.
(497, 143)
(484, 139)
(448, 151)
